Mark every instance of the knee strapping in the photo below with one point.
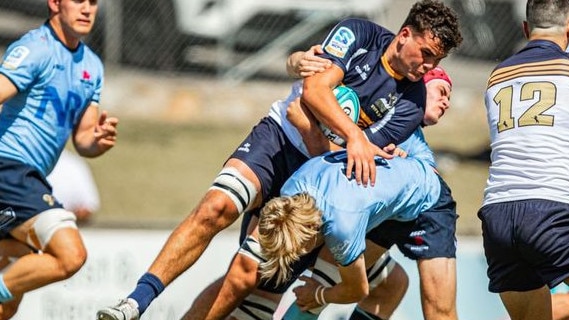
(252, 249)
(238, 188)
(255, 307)
(380, 270)
(328, 275)
(46, 224)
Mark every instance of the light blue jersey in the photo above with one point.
(55, 86)
(404, 188)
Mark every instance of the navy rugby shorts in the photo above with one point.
(271, 156)
(25, 190)
(526, 244)
(431, 235)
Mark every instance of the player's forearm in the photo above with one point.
(316, 143)
(318, 96)
(353, 286)
(345, 293)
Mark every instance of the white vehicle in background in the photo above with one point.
(182, 29)
(163, 33)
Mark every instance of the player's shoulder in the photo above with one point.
(37, 39)
(33, 48)
(537, 58)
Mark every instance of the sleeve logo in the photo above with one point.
(340, 42)
(15, 57)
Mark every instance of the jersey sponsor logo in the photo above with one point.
(340, 42)
(86, 78)
(66, 109)
(383, 106)
(15, 57)
(363, 71)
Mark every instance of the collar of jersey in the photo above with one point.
(390, 70)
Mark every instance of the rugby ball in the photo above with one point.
(350, 103)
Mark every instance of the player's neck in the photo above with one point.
(68, 40)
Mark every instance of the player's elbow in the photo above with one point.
(357, 292)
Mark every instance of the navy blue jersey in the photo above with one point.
(392, 106)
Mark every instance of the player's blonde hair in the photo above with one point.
(287, 226)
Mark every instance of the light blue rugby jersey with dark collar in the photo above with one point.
(392, 106)
(55, 86)
(404, 188)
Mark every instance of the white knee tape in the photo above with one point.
(255, 307)
(380, 270)
(326, 273)
(252, 249)
(47, 223)
(238, 188)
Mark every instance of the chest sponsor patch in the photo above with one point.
(340, 42)
(15, 57)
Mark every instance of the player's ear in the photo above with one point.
(567, 28)
(405, 33)
(53, 5)
(525, 27)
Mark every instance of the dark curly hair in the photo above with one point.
(436, 17)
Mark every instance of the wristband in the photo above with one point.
(317, 295)
(322, 295)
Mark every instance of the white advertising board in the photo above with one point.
(117, 258)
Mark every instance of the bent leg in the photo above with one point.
(215, 212)
(55, 233)
(386, 297)
(388, 284)
(63, 256)
(220, 298)
(528, 305)
(438, 288)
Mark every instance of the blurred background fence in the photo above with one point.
(221, 62)
(238, 39)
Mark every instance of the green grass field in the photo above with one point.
(159, 171)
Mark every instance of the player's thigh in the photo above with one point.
(373, 252)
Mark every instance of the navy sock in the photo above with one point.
(147, 289)
(361, 314)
